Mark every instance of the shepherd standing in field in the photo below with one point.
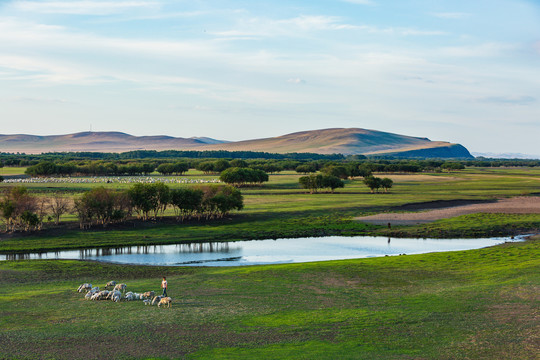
(164, 286)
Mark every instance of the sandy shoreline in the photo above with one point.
(516, 205)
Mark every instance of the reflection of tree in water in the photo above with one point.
(19, 256)
(193, 248)
(218, 247)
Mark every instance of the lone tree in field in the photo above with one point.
(315, 182)
(386, 184)
(241, 176)
(375, 183)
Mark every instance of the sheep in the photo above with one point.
(101, 295)
(129, 296)
(95, 289)
(165, 301)
(120, 287)
(148, 294)
(90, 294)
(111, 284)
(156, 300)
(147, 302)
(84, 286)
(115, 296)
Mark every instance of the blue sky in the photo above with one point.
(460, 71)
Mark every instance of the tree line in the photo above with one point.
(22, 211)
(341, 168)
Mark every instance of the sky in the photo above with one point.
(462, 71)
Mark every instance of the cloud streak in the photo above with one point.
(86, 7)
(508, 100)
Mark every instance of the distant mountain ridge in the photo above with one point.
(111, 141)
(347, 141)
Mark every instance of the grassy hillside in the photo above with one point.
(479, 304)
(329, 141)
(326, 141)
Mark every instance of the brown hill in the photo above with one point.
(330, 141)
(326, 141)
(96, 142)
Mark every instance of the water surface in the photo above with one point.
(258, 252)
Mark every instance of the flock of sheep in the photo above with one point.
(107, 179)
(119, 293)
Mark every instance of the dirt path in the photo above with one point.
(516, 205)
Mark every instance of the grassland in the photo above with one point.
(281, 209)
(478, 304)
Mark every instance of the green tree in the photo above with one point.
(306, 168)
(373, 183)
(186, 202)
(386, 184)
(239, 163)
(242, 176)
(181, 167)
(336, 171)
(144, 199)
(165, 169)
(332, 182)
(311, 182)
(221, 165)
(206, 167)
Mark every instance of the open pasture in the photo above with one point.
(479, 304)
(280, 208)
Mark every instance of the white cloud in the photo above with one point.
(294, 27)
(28, 35)
(296, 81)
(508, 100)
(84, 7)
(483, 50)
(303, 24)
(28, 99)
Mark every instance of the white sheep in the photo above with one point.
(147, 302)
(120, 287)
(148, 294)
(116, 296)
(111, 284)
(101, 295)
(165, 301)
(84, 286)
(129, 296)
(90, 294)
(156, 300)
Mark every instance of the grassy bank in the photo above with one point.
(281, 209)
(479, 304)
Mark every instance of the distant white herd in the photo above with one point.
(118, 293)
(109, 180)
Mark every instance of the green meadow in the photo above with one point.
(477, 304)
(280, 208)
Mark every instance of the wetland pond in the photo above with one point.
(261, 252)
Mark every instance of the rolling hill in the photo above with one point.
(348, 141)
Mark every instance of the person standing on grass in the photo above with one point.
(164, 286)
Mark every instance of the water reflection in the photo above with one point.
(263, 251)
